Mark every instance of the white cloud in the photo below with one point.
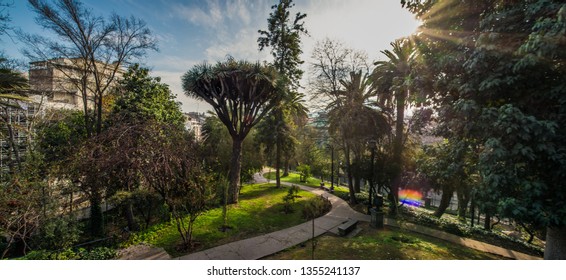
(242, 45)
(210, 17)
(366, 25)
(238, 10)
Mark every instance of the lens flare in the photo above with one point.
(411, 197)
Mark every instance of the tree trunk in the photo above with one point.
(84, 96)
(96, 216)
(472, 211)
(487, 221)
(13, 147)
(555, 248)
(235, 168)
(398, 151)
(286, 171)
(278, 163)
(444, 202)
(463, 201)
(99, 114)
(350, 179)
(129, 213)
(357, 184)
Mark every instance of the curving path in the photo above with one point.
(268, 244)
(264, 245)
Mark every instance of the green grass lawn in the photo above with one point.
(259, 211)
(294, 178)
(383, 244)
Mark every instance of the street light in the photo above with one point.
(331, 167)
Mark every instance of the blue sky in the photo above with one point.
(191, 31)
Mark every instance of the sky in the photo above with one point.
(191, 32)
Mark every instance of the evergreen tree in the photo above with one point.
(283, 36)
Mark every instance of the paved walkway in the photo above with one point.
(257, 247)
(268, 244)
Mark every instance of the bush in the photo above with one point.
(98, 253)
(362, 197)
(316, 207)
(59, 233)
(290, 198)
(304, 171)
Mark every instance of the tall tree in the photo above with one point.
(140, 97)
(393, 79)
(91, 50)
(507, 94)
(450, 167)
(283, 36)
(332, 61)
(355, 121)
(217, 147)
(241, 94)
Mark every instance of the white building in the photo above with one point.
(59, 83)
(194, 122)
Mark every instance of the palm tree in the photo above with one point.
(12, 88)
(354, 120)
(241, 94)
(392, 80)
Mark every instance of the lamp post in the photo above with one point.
(373, 146)
(331, 168)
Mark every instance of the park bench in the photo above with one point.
(322, 186)
(347, 227)
(328, 189)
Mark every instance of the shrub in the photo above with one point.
(290, 198)
(362, 197)
(98, 253)
(59, 233)
(304, 171)
(316, 207)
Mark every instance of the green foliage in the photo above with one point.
(217, 147)
(95, 60)
(241, 94)
(289, 199)
(58, 233)
(58, 136)
(12, 84)
(493, 237)
(428, 220)
(344, 194)
(316, 207)
(97, 253)
(283, 35)
(294, 178)
(142, 97)
(305, 172)
(258, 200)
(505, 96)
(24, 204)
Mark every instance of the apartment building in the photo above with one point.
(60, 83)
(194, 122)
